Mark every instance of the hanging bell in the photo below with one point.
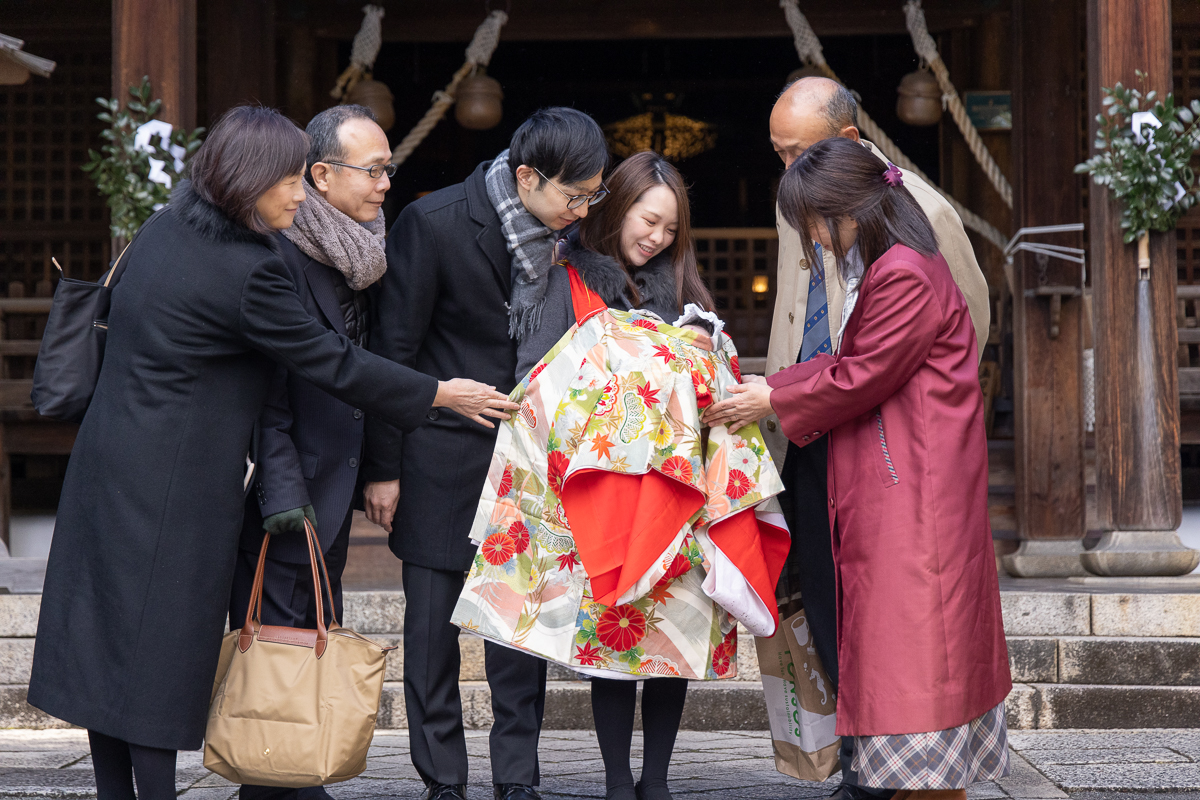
(920, 101)
(375, 96)
(478, 102)
(12, 73)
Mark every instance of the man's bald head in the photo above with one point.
(809, 110)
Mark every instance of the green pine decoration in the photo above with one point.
(1146, 177)
(121, 171)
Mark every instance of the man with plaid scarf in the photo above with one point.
(467, 269)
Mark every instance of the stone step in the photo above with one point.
(1101, 660)
(739, 705)
(16, 660)
(1027, 612)
(1057, 706)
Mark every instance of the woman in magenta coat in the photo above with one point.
(922, 657)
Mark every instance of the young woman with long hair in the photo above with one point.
(626, 355)
(923, 664)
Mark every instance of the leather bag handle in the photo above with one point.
(254, 612)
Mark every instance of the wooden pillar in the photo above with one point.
(157, 38)
(241, 54)
(1138, 484)
(1047, 110)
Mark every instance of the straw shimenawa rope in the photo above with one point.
(927, 49)
(479, 53)
(808, 46)
(363, 53)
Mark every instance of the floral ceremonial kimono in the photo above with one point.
(614, 538)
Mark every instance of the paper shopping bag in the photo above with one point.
(800, 702)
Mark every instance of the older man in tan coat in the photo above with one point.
(808, 111)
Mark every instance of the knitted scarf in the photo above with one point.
(333, 238)
(530, 243)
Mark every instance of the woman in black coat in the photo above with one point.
(146, 538)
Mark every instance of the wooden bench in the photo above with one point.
(22, 431)
(1187, 318)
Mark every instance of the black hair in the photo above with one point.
(839, 178)
(563, 143)
(324, 131)
(248, 151)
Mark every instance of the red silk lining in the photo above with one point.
(585, 302)
(623, 523)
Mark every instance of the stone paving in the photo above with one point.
(1047, 765)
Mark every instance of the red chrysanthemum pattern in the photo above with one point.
(621, 628)
(739, 484)
(704, 397)
(506, 482)
(645, 323)
(680, 566)
(722, 659)
(556, 468)
(520, 536)
(735, 368)
(498, 548)
(536, 371)
(677, 467)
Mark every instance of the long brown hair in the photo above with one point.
(600, 230)
(839, 178)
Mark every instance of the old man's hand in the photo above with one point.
(751, 402)
(473, 400)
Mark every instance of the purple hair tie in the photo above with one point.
(893, 176)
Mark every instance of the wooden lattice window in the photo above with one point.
(48, 206)
(1185, 66)
(739, 266)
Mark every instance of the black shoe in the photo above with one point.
(848, 791)
(626, 791)
(516, 791)
(446, 791)
(653, 791)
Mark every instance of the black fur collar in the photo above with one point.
(602, 274)
(212, 223)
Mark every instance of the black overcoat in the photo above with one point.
(138, 581)
(442, 308)
(309, 442)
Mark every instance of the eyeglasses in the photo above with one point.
(376, 171)
(576, 200)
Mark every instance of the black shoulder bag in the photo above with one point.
(72, 349)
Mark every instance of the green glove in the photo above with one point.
(289, 521)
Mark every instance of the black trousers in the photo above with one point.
(288, 600)
(118, 764)
(432, 702)
(810, 568)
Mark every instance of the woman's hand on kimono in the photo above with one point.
(751, 402)
(473, 400)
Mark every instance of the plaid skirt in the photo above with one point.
(950, 759)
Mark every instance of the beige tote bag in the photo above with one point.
(293, 707)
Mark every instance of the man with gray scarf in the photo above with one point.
(467, 269)
(310, 444)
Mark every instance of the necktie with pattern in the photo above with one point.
(816, 313)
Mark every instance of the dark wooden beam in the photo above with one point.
(1047, 111)
(544, 20)
(157, 38)
(1138, 482)
(241, 54)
